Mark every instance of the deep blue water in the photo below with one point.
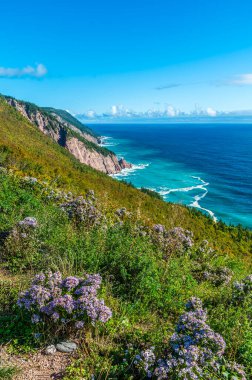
(205, 166)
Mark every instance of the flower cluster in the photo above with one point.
(145, 361)
(31, 180)
(83, 210)
(28, 222)
(69, 300)
(196, 351)
(24, 228)
(121, 212)
(204, 248)
(217, 276)
(194, 345)
(175, 240)
(243, 290)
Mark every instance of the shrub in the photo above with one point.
(195, 352)
(83, 210)
(176, 240)
(242, 291)
(68, 303)
(21, 247)
(152, 193)
(217, 276)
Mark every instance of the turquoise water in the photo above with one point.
(204, 166)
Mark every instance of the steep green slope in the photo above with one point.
(148, 274)
(29, 151)
(70, 119)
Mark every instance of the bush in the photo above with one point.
(67, 303)
(152, 193)
(195, 352)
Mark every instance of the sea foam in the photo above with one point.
(130, 171)
(197, 198)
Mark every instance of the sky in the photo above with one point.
(135, 57)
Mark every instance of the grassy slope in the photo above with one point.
(146, 292)
(35, 154)
(70, 119)
(54, 123)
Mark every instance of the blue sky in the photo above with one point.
(129, 55)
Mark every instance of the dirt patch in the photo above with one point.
(37, 366)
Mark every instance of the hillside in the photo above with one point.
(71, 120)
(152, 257)
(71, 134)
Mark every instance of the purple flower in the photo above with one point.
(51, 298)
(35, 318)
(70, 282)
(194, 346)
(79, 324)
(55, 316)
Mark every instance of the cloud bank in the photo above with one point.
(120, 112)
(37, 71)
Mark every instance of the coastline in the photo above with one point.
(184, 176)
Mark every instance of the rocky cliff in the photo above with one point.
(82, 143)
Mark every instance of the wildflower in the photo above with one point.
(174, 240)
(51, 298)
(242, 290)
(29, 222)
(195, 348)
(79, 324)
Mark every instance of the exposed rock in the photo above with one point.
(37, 365)
(57, 128)
(124, 164)
(50, 350)
(66, 347)
(108, 164)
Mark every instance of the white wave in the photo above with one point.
(197, 198)
(107, 141)
(106, 145)
(130, 171)
(184, 189)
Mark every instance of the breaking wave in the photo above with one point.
(197, 198)
(130, 171)
(107, 141)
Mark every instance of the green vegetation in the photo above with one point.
(54, 125)
(89, 144)
(7, 373)
(148, 274)
(151, 193)
(70, 119)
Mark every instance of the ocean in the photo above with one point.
(206, 166)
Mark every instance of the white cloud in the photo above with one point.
(37, 71)
(241, 80)
(91, 114)
(211, 112)
(171, 111)
(120, 112)
(114, 110)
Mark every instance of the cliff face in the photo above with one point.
(84, 146)
(107, 164)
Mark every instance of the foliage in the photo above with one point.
(67, 117)
(64, 303)
(152, 193)
(7, 372)
(152, 257)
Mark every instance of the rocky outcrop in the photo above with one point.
(108, 164)
(124, 164)
(40, 119)
(82, 145)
